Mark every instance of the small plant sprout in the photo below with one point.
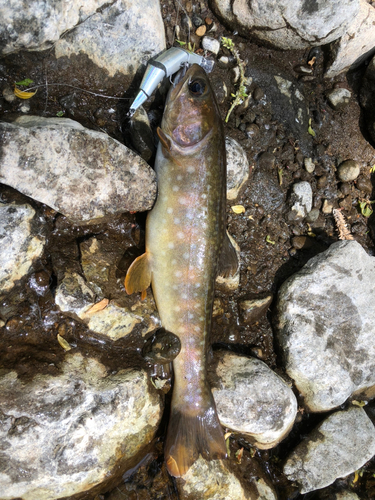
(365, 207)
(239, 454)
(372, 170)
(268, 240)
(240, 94)
(310, 130)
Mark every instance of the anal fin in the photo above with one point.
(138, 277)
(228, 261)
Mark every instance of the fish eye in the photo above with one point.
(197, 87)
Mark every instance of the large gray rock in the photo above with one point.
(356, 44)
(213, 481)
(63, 435)
(19, 243)
(118, 38)
(37, 24)
(326, 325)
(83, 174)
(289, 25)
(343, 443)
(252, 400)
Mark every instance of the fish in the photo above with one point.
(187, 247)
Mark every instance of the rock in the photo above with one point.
(345, 495)
(364, 184)
(252, 310)
(21, 243)
(237, 167)
(36, 26)
(83, 174)
(327, 207)
(211, 44)
(339, 98)
(367, 97)
(230, 283)
(286, 25)
(309, 165)
(213, 481)
(356, 44)
(329, 356)
(349, 170)
(161, 348)
(266, 191)
(76, 298)
(313, 215)
(300, 242)
(252, 400)
(119, 38)
(64, 434)
(302, 199)
(342, 444)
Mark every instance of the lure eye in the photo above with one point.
(197, 87)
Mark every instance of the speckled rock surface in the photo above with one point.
(20, 243)
(329, 356)
(237, 168)
(63, 435)
(133, 33)
(342, 444)
(83, 174)
(289, 25)
(251, 399)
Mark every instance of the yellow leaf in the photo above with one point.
(22, 94)
(238, 209)
(64, 344)
(98, 306)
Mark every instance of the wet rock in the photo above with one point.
(8, 94)
(252, 310)
(267, 161)
(342, 444)
(288, 25)
(63, 435)
(141, 134)
(356, 44)
(302, 199)
(237, 167)
(21, 243)
(258, 94)
(252, 400)
(231, 283)
(367, 97)
(161, 348)
(364, 184)
(266, 191)
(119, 37)
(309, 165)
(37, 26)
(211, 44)
(327, 207)
(348, 171)
(339, 98)
(76, 298)
(83, 174)
(252, 131)
(313, 215)
(213, 481)
(300, 242)
(329, 356)
(345, 495)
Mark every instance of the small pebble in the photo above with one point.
(252, 131)
(322, 181)
(300, 242)
(313, 215)
(309, 165)
(346, 203)
(348, 171)
(266, 161)
(258, 94)
(364, 184)
(226, 62)
(208, 21)
(8, 94)
(345, 188)
(327, 207)
(252, 310)
(211, 44)
(201, 30)
(197, 21)
(338, 98)
(303, 69)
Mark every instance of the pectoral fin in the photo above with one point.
(138, 277)
(228, 261)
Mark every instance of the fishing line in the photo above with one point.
(80, 89)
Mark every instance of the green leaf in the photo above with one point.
(25, 82)
(366, 210)
(180, 42)
(310, 130)
(60, 113)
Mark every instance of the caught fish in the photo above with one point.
(186, 248)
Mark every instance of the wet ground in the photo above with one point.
(273, 245)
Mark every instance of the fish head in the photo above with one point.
(191, 111)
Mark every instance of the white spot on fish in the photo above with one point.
(204, 196)
(174, 261)
(201, 318)
(191, 169)
(175, 188)
(176, 220)
(180, 235)
(197, 285)
(177, 308)
(169, 210)
(179, 177)
(178, 274)
(186, 255)
(196, 328)
(183, 200)
(171, 244)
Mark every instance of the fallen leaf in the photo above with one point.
(238, 209)
(22, 94)
(97, 307)
(64, 344)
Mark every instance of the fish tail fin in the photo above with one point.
(190, 435)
